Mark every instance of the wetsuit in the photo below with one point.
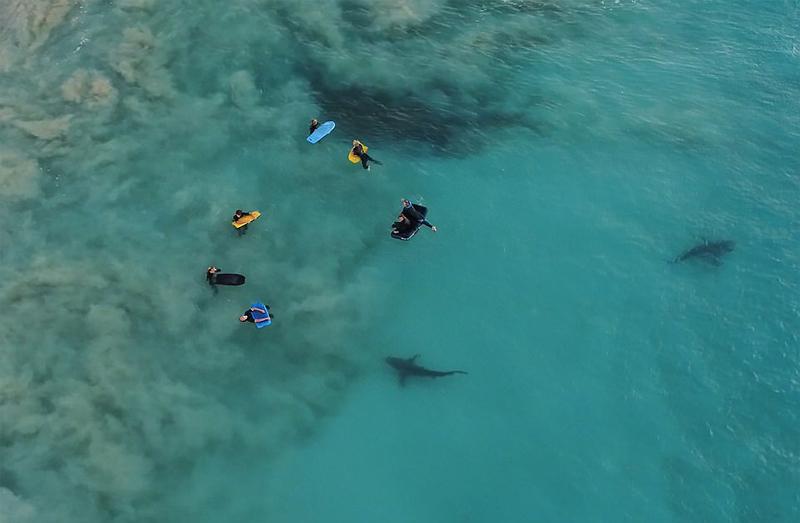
(415, 216)
(249, 314)
(241, 230)
(358, 150)
(402, 226)
(313, 127)
(211, 278)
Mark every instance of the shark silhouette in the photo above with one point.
(406, 367)
(709, 251)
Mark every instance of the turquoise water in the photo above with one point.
(566, 149)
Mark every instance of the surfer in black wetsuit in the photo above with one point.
(414, 215)
(239, 214)
(211, 277)
(358, 150)
(248, 314)
(313, 126)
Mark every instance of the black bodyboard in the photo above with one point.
(407, 232)
(223, 278)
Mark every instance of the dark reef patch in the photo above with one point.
(448, 129)
(449, 110)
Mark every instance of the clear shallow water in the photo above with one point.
(600, 140)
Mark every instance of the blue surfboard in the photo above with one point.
(322, 131)
(262, 320)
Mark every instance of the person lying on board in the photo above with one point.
(211, 276)
(248, 314)
(413, 214)
(238, 215)
(358, 150)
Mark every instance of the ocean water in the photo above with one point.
(567, 150)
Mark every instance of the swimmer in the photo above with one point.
(358, 150)
(248, 314)
(313, 126)
(239, 214)
(211, 277)
(412, 213)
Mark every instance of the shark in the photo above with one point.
(406, 367)
(709, 251)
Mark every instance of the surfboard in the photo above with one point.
(223, 278)
(247, 218)
(321, 132)
(353, 158)
(262, 320)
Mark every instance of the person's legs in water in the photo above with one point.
(370, 158)
(365, 161)
(242, 230)
(211, 277)
(429, 225)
